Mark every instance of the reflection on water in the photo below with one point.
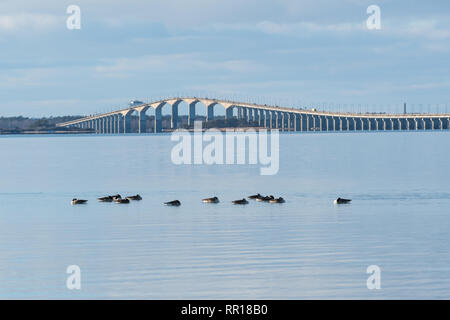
(304, 248)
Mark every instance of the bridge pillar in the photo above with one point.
(435, 123)
(261, 119)
(210, 112)
(174, 116)
(239, 113)
(111, 125)
(191, 116)
(256, 116)
(295, 122)
(267, 119)
(127, 123)
(120, 123)
(424, 124)
(361, 124)
(102, 125)
(245, 114)
(273, 120)
(108, 124)
(250, 114)
(335, 121)
(229, 113)
(353, 124)
(158, 119)
(309, 122)
(302, 122)
(142, 121)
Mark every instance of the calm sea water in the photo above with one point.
(306, 248)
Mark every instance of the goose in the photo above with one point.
(265, 199)
(136, 197)
(341, 201)
(175, 203)
(78, 201)
(211, 200)
(117, 196)
(242, 201)
(105, 199)
(255, 196)
(120, 200)
(279, 200)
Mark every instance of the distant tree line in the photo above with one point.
(24, 124)
(20, 124)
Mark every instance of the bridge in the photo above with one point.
(265, 116)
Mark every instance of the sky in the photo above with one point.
(284, 52)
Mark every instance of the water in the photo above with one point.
(306, 248)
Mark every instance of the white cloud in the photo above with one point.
(28, 21)
(173, 63)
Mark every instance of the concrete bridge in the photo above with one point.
(270, 117)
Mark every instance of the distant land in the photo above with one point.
(25, 125)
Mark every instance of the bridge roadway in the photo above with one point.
(270, 117)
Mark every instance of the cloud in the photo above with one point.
(29, 22)
(173, 63)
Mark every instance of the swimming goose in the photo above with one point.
(279, 200)
(266, 198)
(136, 197)
(341, 201)
(175, 203)
(78, 201)
(105, 199)
(256, 196)
(120, 200)
(242, 201)
(211, 200)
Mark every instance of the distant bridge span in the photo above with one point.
(270, 117)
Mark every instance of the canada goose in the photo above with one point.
(255, 196)
(279, 200)
(242, 201)
(105, 199)
(341, 201)
(120, 200)
(175, 203)
(266, 198)
(136, 197)
(78, 201)
(211, 200)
